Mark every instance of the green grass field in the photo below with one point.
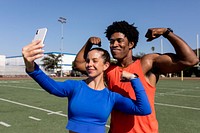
(26, 108)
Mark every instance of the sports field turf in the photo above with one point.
(26, 108)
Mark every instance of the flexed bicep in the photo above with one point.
(168, 63)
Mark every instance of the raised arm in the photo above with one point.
(79, 62)
(33, 51)
(169, 62)
(141, 105)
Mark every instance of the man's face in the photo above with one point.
(119, 46)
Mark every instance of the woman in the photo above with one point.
(90, 102)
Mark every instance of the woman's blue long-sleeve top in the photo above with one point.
(89, 109)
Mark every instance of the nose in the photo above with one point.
(114, 43)
(89, 63)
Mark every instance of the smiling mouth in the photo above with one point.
(115, 50)
(90, 70)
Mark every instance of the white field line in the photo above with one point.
(177, 106)
(33, 107)
(37, 108)
(158, 94)
(174, 92)
(162, 94)
(194, 88)
(34, 118)
(58, 112)
(4, 124)
(28, 88)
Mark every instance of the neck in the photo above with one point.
(126, 61)
(96, 83)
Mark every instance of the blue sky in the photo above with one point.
(85, 18)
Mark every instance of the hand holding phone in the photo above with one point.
(40, 35)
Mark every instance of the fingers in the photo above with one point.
(95, 41)
(149, 33)
(33, 51)
(149, 39)
(153, 33)
(125, 76)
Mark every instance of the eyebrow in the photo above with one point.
(93, 58)
(116, 38)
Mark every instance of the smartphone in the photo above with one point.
(40, 35)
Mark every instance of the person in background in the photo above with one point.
(123, 38)
(90, 102)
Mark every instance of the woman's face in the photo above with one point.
(95, 65)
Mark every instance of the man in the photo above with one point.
(123, 38)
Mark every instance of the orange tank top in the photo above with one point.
(124, 123)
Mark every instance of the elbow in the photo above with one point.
(146, 111)
(142, 111)
(190, 63)
(194, 61)
(74, 65)
(77, 66)
(197, 61)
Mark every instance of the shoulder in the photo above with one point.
(148, 59)
(73, 83)
(150, 56)
(112, 95)
(111, 67)
(148, 62)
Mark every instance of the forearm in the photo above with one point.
(79, 62)
(140, 106)
(29, 66)
(46, 82)
(182, 50)
(142, 102)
